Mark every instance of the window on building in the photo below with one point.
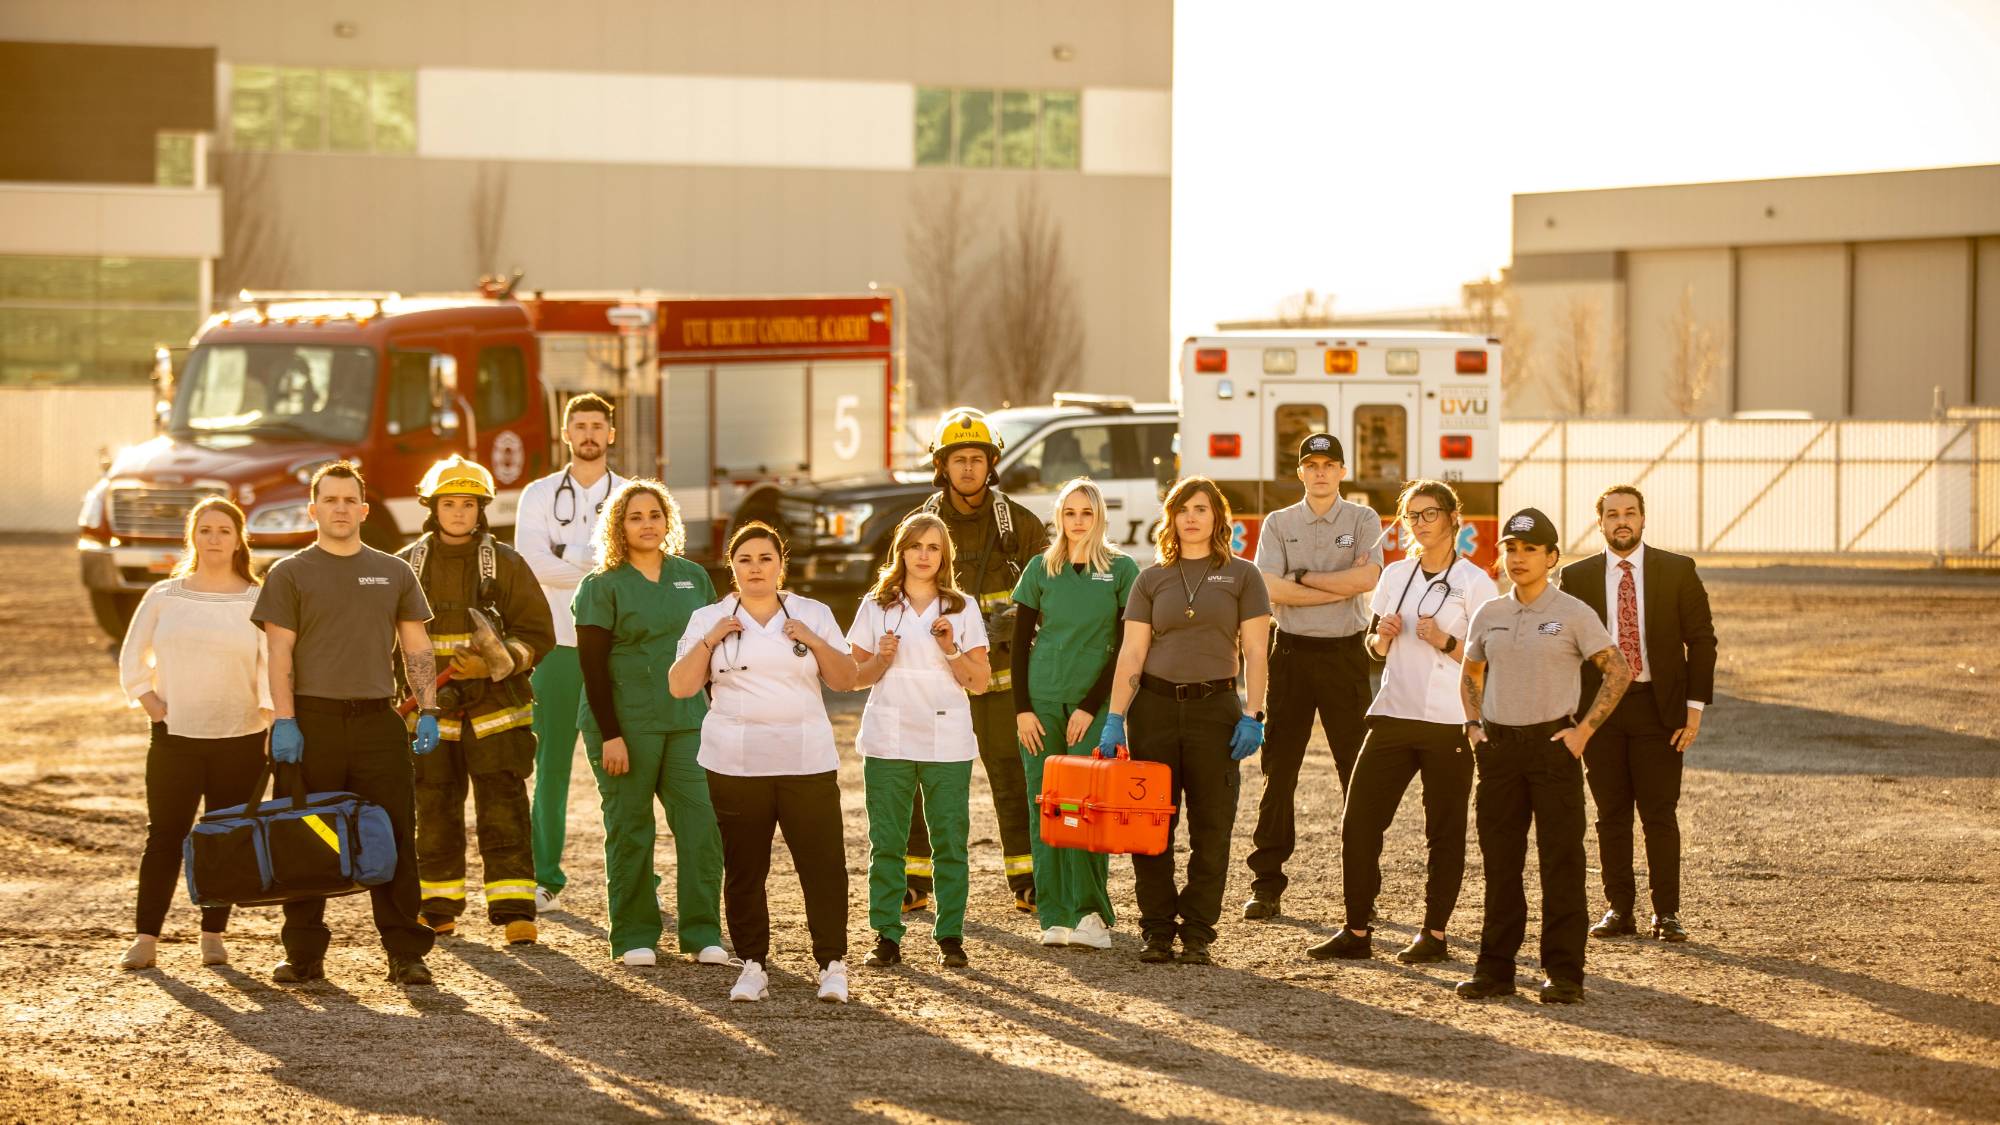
(975, 128)
(173, 159)
(933, 127)
(307, 109)
(92, 320)
(1061, 137)
(395, 110)
(500, 394)
(1017, 128)
(301, 111)
(996, 128)
(349, 121)
(253, 107)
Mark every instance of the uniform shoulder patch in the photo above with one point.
(1549, 628)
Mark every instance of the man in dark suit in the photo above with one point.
(1655, 606)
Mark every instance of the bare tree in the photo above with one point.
(1034, 331)
(489, 218)
(945, 284)
(1305, 310)
(1579, 384)
(256, 250)
(1696, 360)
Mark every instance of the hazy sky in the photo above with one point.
(1369, 149)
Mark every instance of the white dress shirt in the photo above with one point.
(537, 532)
(1614, 575)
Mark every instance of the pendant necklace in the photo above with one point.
(1180, 569)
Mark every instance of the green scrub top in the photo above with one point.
(1081, 615)
(646, 619)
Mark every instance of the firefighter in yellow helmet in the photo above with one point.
(490, 620)
(992, 539)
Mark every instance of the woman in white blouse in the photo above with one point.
(768, 748)
(195, 662)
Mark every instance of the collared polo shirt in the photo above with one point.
(1293, 538)
(1534, 655)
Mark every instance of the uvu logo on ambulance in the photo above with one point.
(1463, 408)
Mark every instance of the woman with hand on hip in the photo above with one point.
(195, 662)
(1422, 606)
(768, 750)
(1192, 621)
(921, 647)
(1067, 632)
(642, 742)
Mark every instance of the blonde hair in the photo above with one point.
(1101, 550)
(611, 529)
(1221, 537)
(888, 588)
(239, 559)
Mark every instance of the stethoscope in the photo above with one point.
(1439, 586)
(798, 647)
(569, 486)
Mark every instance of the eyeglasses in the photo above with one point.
(1426, 516)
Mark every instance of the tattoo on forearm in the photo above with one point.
(1474, 687)
(1617, 677)
(420, 667)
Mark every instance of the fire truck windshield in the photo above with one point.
(297, 390)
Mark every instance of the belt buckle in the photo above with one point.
(1181, 692)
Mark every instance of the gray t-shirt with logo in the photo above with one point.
(1534, 655)
(1292, 539)
(1196, 649)
(344, 609)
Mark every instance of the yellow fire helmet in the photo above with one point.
(455, 476)
(963, 425)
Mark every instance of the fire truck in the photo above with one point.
(718, 397)
(1403, 404)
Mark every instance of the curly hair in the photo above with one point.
(888, 588)
(1221, 536)
(611, 528)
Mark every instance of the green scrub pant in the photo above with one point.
(663, 768)
(1069, 882)
(558, 683)
(892, 784)
(1000, 755)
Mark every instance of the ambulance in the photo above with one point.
(1404, 405)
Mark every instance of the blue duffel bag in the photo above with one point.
(305, 845)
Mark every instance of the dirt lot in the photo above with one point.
(1842, 813)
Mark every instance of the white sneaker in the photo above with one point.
(641, 958)
(1092, 932)
(545, 903)
(213, 952)
(833, 982)
(1056, 935)
(753, 984)
(713, 955)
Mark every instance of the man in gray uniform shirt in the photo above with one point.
(1320, 559)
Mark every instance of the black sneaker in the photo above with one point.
(1258, 909)
(1345, 946)
(1481, 988)
(951, 953)
(1424, 951)
(408, 971)
(885, 954)
(299, 972)
(1157, 951)
(1194, 953)
(1561, 992)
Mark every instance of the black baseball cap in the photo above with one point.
(1529, 525)
(1320, 445)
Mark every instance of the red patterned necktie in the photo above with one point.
(1628, 619)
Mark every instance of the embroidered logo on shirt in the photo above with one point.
(1224, 578)
(373, 580)
(1104, 578)
(1549, 628)
(683, 585)
(1343, 541)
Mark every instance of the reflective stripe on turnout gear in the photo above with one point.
(491, 723)
(1020, 864)
(917, 865)
(501, 889)
(449, 888)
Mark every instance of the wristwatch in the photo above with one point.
(1450, 643)
(1259, 716)
(433, 712)
(1474, 725)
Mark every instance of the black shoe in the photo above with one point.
(951, 953)
(1426, 950)
(885, 954)
(1481, 988)
(1194, 953)
(1258, 909)
(290, 972)
(1157, 951)
(1561, 992)
(408, 971)
(1615, 923)
(1345, 945)
(1667, 927)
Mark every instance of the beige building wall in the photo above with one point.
(1791, 346)
(1912, 306)
(1655, 282)
(1986, 324)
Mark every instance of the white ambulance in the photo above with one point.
(1403, 404)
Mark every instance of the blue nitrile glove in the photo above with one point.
(1248, 737)
(427, 734)
(287, 744)
(1113, 736)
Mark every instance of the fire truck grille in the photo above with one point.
(154, 513)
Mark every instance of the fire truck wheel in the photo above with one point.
(113, 610)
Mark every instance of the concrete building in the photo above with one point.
(1862, 296)
(757, 146)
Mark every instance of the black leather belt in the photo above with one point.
(323, 706)
(1183, 692)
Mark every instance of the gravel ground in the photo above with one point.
(1842, 879)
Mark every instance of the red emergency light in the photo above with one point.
(1211, 361)
(1472, 363)
(1225, 445)
(1455, 447)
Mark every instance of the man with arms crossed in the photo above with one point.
(333, 614)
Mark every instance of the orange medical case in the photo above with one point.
(1111, 805)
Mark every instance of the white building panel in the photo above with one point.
(1127, 132)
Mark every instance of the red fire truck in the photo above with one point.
(718, 397)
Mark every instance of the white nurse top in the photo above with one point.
(765, 714)
(916, 712)
(1418, 681)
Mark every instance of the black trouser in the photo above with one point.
(1631, 760)
(995, 728)
(1396, 751)
(1525, 776)
(749, 811)
(1324, 676)
(360, 746)
(495, 769)
(183, 774)
(1192, 738)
